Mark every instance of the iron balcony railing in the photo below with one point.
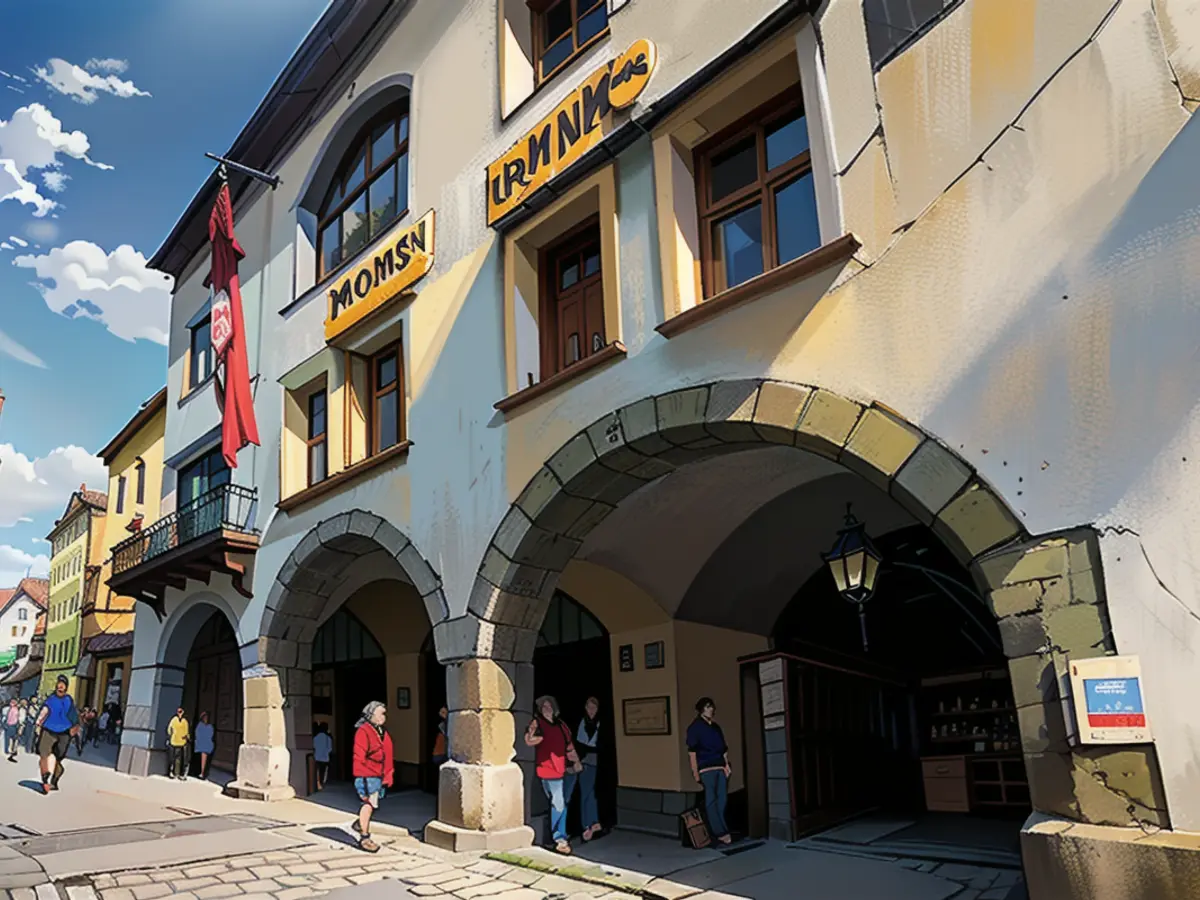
(229, 507)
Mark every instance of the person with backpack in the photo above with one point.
(558, 765)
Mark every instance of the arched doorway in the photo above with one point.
(213, 684)
(572, 662)
(348, 670)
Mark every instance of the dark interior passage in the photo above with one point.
(213, 684)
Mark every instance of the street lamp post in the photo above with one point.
(854, 563)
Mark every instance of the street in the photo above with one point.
(117, 837)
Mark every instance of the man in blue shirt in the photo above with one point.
(709, 755)
(58, 722)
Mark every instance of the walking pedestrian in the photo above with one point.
(709, 757)
(557, 765)
(587, 743)
(58, 722)
(373, 769)
(178, 732)
(322, 750)
(205, 743)
(12, 722)
(31, 714)
(101, 729)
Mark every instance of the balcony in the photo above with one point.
(213, 533)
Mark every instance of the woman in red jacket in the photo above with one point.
(374, 766)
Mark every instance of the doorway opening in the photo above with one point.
(213, 684)
(572, 662)
(349, 671)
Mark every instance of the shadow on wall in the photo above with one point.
(1106, 347)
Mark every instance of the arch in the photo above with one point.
(186, 621)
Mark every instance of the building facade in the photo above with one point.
(584, 358)
(76, 549)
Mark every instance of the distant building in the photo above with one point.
(23, 627)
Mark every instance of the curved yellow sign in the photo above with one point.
(577, 125)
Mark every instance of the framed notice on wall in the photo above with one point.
(647, 715)
(626, 657)
(403, 698)
(656, 655)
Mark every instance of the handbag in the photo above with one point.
(695, 831)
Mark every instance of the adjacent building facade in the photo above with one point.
(22, 623)
(575, 372)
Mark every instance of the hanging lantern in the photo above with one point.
(854, 564)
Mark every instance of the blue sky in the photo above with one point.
(106, 110)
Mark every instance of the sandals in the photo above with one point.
(563, 847)
(590, 832)
(368, 845)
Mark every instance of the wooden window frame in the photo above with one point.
(763, 191)
(538, 10)
(327, 213)
(121, 485)
(313, 440)
(375, 394)
(194, 380)
(574, 240)
(140, 469)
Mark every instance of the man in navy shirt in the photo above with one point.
(58, 722)
(709, 755)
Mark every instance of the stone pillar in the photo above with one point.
(263, 758)
(772, 679)
(154, 694)
(481, 790)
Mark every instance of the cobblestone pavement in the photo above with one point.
(314, 871)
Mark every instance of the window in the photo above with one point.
(201, 476)
(568, 622)
(201, 351)
(120, 494)
(318, 463)
(140, 475)
(894, 24)
(386, 418)
(572, 313)
(23, 615)
(756, 198)
(369, 191)
(562, 29)
(14, 629)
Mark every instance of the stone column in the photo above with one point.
(263, 758)
(481, 790)
(154, 695)
(772, 680)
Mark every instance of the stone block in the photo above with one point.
(1131, 774)
(522, 541)
(482, 737)
(277, 652)
(264, 727)
(974, 522)
(263, 767)
(458, 638)
(640, 799)
(390, 538)
(419, 571)
(573, 458)
(308, 547)
(481, 797)
(1079, 631)
(681, 414)
(1086, 587)
(515, 578)
(1022, 636)
(778, 410)
(1047, 559)
(1015, 599)
(587, 520)
(262, 692)
(607, 436)
(879, 445)
(436, 606)
(1051, 784)
(648, 822)
(929, 480)
(465, 840)
(476, 684)
(674, 803)
(540, 490)
(1033, 680)
(363, 523)
(334, 528)
(1056, 593)
(826, 423)
(562, 512)
(495, 605)
(1042, 729)
(639, 422)
(731, 411)
(608, 487)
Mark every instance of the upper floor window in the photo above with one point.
(573, 305)
(140, 476)
(22, 615)
(387, 408)
(318, 428)
(369, 191)
(120, 494)
(202, 475)
(757, 202)
(201, 351)
(562, 29)
(894, 24)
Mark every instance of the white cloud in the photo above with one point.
(17, 564)
(9, 347)
(29, 487)
(116, 288)
(18, 241)
(106, 65)
(14, 186)
(13, 77)
(33, 138)
(55, 181)
(81, 85)
(42, 231)
(5, 245)
(14, 88)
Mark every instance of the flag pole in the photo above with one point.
(271, 180)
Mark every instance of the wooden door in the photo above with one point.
(228, 712)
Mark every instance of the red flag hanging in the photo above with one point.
(238, 427)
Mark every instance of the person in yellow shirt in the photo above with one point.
(178, 733)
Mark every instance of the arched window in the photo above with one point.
(369, 190)
(343, 638)
(567, 622)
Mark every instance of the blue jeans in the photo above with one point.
(716, 787)
(370, 790)
(10, 740)
(558, 792)
(589, 811)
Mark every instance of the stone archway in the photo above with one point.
(1046, 591)
(331, 562)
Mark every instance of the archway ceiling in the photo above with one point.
(729, 540)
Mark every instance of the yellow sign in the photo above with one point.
(579, 123)
(399, 260)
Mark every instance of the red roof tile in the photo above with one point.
(98, 499)
(37, 589)
(6, 594)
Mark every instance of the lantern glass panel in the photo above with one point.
(871, 570)
(838, 567)
(854, 569)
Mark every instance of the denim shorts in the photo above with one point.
(371, 790)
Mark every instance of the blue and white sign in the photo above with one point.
(1108, 700)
